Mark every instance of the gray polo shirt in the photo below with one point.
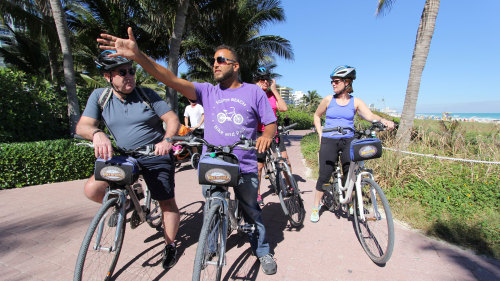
(132, 122)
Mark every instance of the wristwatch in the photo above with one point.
(97, 131)
(169, 140)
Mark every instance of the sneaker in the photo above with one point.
(315, 214)
(169, 257)
(268, 264)
(260, 201)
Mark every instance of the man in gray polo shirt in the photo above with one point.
(134, 123)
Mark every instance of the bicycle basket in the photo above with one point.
(121, 170)
(365, 149)
(219, 169)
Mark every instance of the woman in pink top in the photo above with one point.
(263, 79)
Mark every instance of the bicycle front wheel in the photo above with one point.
(102, 244)
(155, 215)
(211, 246)
(376, 231)
(290, 199)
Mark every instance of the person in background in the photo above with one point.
(228, 97)
(340, 109)
(134, 124)
(193, 118)
(262, 78)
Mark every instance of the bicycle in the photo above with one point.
(284, 185)
(184, 153)
(219, 169)
(371, 211)
(103, 240)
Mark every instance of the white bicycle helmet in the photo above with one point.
(344, 71)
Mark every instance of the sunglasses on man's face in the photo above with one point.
(123, 72)
(220, 60)
(336, 81)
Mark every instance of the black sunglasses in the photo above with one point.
(263, 78)
(220, 60)
(123, 72)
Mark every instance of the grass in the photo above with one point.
(453, 200)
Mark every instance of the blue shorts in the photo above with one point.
(158, 173)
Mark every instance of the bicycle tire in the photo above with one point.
(290, 199)
(270, 172)
(100, 264)
(376, 233)
(208, 262)
(155, 215)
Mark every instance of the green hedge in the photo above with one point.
(34, 163)
(302, 118)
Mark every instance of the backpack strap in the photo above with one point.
(144, 97)
(104, 98)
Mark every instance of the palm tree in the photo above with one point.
(175, 46)
(420, 52)
(69, 71)
(236, 23)
(311, 101)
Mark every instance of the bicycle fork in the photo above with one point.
(119, 223)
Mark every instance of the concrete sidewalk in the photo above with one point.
(42, 227)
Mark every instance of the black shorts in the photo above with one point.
(261, 157)
(158, 173)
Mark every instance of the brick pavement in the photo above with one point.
(41, 228)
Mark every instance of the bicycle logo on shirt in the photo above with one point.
(236, 118)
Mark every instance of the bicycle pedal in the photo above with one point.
(247, 228)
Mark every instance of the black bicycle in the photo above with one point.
(361, 196)
(127, 193)
(219, 169)
(284, 185)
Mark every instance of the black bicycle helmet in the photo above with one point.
(105, 63)
(344, 71)
(262, 72)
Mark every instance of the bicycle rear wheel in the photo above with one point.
(376, 231)
(211, 246)
(290, 199)
(102, 244)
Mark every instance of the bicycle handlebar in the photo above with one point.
(191, 140)
(376, 127)
(146, 150)
(287, 128)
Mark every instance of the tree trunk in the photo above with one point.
(422, 45)
(69, 71)
(175, 45)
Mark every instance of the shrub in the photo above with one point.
(30, 108)
(41, 162)
(303, 119)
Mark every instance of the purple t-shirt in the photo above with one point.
(230, 113)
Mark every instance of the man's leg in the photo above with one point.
(171, 219)
(95, 190)
(246, 193)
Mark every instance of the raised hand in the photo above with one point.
(124, 47)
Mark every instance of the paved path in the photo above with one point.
(41, 228)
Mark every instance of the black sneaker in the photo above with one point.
(268, 264)
(169, 257)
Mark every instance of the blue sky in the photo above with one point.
(462, 70)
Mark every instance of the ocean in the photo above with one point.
(469, 116)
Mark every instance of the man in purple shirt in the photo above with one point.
(232, 108)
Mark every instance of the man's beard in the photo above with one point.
(224, 76)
